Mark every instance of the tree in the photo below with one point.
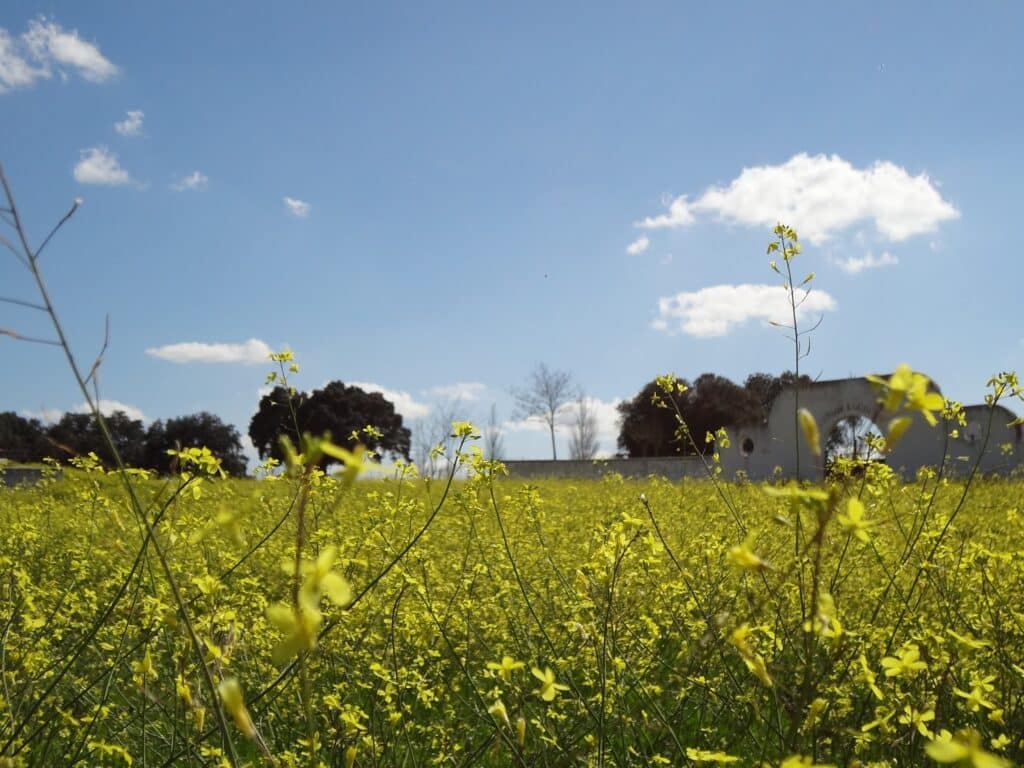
(766, 387)
(711, 402)
(645, 428)
(21, 439)
(494, 439)
(199, 430)
(343, 411)
(546, 392)
(583, 444)
(434, 431)
(76, 434)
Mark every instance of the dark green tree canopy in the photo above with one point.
(76, 434)
(21, 439)
(336, 408)
(198, 430)
(711, 402)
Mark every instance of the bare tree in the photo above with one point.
(494, 440)
(547, 391)
(583, 440)
(433, 431)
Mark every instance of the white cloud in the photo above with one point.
(638, 246)
(252, 352)
(107, 407)
(15, 71)
(50, 45)
(716, 310)
(297, 208)
(195, 180)
(45, 415)
(855, 264)
(679, 215)
(98, 165)
(819, 196)
(606, 412)
(404, 403)
(132, 123)
(462, 390)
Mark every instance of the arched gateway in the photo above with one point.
(766, 450)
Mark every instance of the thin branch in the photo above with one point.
(32, 339)
(22, 303)
(103, 350)
(74, 207)
(7, 244)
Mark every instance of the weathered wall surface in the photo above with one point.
(775, 443)
(670, 467)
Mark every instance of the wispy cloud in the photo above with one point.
(298, 208)
(195, 180)
(44, 48)
(462, 390)
(638, 246)
(405, 404)
(252, 352)
(716, 310)
(132, 123)
(856, 264)
(819, 196)
(98, 165)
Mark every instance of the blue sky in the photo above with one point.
(467, 183)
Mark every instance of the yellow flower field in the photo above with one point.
(602, 622)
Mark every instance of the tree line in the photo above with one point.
(28, 440)
(353, 416)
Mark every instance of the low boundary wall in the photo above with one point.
(670, 467)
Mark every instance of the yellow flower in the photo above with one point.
(548, 687)
(906, 384)
(964, 749)
(742, 556)
(497, 709)
(810, 430)
(144, 670)
(912, 716)
(853, 521)
(907, 664)
(505, 667)
(704, 756)
(975, 699)
(231, 694)
(299, 625)
(322, 581)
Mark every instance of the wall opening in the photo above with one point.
(849, 439)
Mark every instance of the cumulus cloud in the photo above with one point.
(820, 196)
(252, 352)
(298, 208)
(132, 123)
(717, 310)
(405, 404)
(195, 180)
(44, 48)
(461, 390)
(98, 165)
(679, 215)
(856, 264)
(107, 407)
(638, 246)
